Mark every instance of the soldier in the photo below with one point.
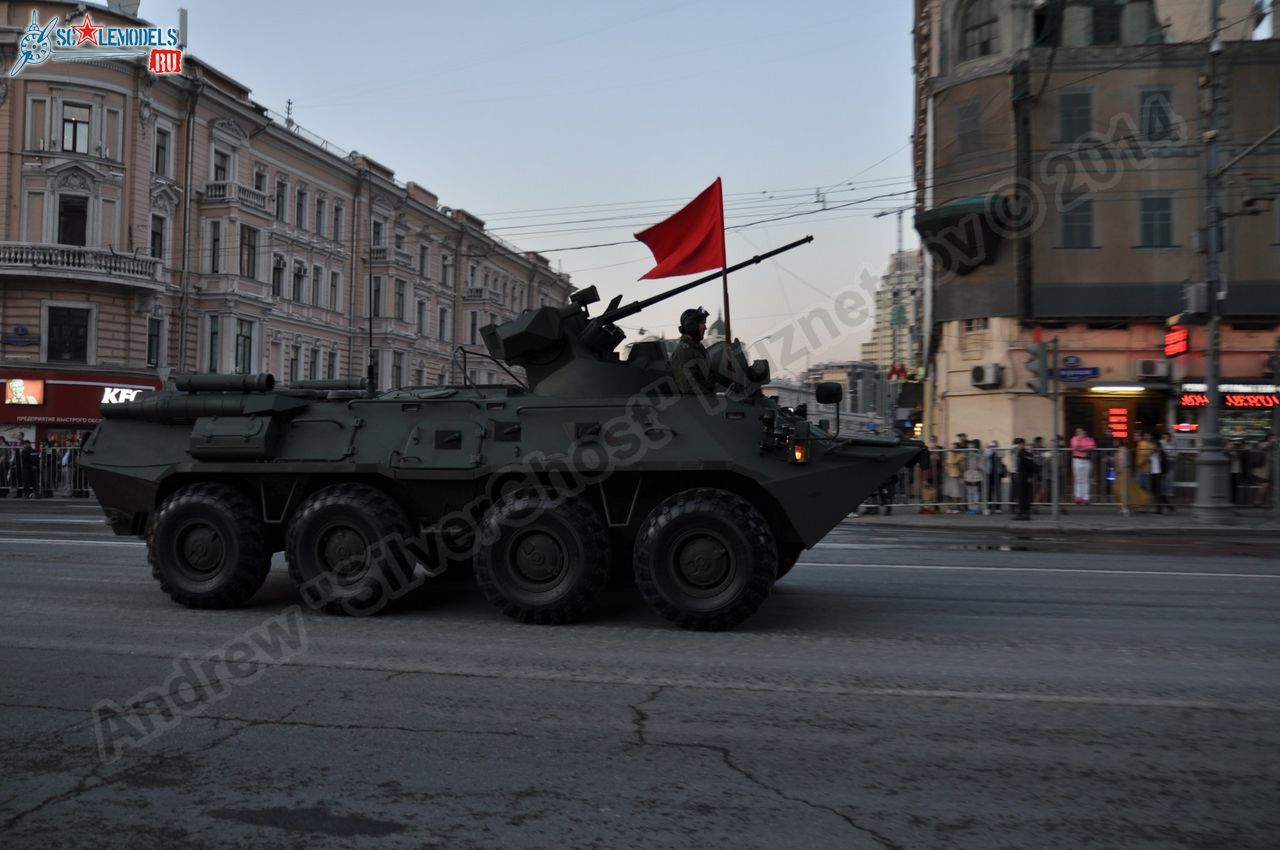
(689, 365)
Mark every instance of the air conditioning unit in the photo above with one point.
(987, 376)
(279, 262)
(1147, 370)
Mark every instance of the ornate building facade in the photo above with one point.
(157, 224)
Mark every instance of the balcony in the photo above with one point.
(226, 192)
(78, 262)
(478, 294)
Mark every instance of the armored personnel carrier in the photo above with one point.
(586, 464)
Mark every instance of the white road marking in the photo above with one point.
(39, 542)
(1035, 570)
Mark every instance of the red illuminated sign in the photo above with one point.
(1236, 400)
(1118, 422)
(1187, 427)
(1177, 340)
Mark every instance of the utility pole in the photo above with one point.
(1213, 500)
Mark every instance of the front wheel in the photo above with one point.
(705, 559)
(207, 547)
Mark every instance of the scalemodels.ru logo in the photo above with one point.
(42, 42)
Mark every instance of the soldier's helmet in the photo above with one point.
(691, 318)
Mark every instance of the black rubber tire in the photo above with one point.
(786, 560)
(567, 530)
(728, 530)
(207, 547)
(334, 552)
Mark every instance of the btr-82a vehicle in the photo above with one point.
(588, 464)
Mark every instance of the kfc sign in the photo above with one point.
(116, 395)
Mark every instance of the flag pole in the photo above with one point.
(728, 332)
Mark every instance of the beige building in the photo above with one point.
(897, 335)
(1060, 164)
(168, 223)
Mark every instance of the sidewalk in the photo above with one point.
(1094, 519)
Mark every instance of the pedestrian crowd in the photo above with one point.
(28, 472)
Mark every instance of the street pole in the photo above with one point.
(1055, 460)
(1213, 500)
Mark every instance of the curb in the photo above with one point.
(1052, 527)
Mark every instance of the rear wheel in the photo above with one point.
(345, 550)
(542, 560)
(207, 547)
(705, 559)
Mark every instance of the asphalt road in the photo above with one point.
(898, 689)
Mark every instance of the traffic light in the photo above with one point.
(1038, 366)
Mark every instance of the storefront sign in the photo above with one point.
(1177, 341)
(1118, 422)
(1234, 400)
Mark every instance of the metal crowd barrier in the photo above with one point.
(42, 473)
(981, 489)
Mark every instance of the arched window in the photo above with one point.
(979, 30)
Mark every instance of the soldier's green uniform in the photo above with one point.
(690, 368)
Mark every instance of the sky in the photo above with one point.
(573, 123)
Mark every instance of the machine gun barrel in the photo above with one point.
(636, 306)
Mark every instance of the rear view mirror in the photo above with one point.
(828, 392)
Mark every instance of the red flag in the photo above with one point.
(690, 241)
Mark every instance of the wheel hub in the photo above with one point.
(539, 557)
(202, 548)
(344, 549)
(703, 560)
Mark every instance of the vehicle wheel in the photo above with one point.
(705, 559)
(207, 547)
(787, 559)
(542, 560)
(343, 550)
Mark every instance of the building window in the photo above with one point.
(474, 319)
(333, 291)
(320, 213)
(332, 371)
(260, 180)
(75, 128)
(244, 346)
(215, 348)
(375, 296)
(248, 252)
(377, 234)
(400, 299)
(161, 165)
(424, 256)
(446, 271)
(282, 193)
(1156, 108)
(422, 318)
(313, 365)
(277, 275)
(1106, 23)
(975, 325)
(1157, 222)
(444, 329)
(157, 236)
(300, 208)
(295, 353)
(473, 276)
(1077, 221)
(221, 166)
(397, 368)
(418, 377)
(153, 341)
(979, 30)
(215, 247)
(73, 216)
(317, 286)
(68, 335)
(1075, 115)
(967, 125)
(337, 223)
(399, 241)
(299, 281)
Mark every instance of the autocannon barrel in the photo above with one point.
(260, 383)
